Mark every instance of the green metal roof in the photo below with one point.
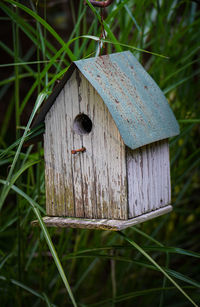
(136, 103)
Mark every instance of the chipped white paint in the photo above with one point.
(148, 171)
(93, 184)
(102, 224)
(90, 184)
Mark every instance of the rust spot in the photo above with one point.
(75, 151)
(146, 87)
(102, 58)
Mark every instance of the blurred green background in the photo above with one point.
(39, 39)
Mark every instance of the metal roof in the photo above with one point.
(136, 103)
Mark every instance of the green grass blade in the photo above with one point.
(137, 247)
(150, 238)
(49, 242)
(24, 287)
(106, 26)
(29, 31)
(31, 134)
(189, 121)
(141, 264)
(130, 295)
(45, 24)
(6, 188)
(95, 38)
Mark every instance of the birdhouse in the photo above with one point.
(106, 149)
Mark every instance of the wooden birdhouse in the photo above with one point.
(106, 148)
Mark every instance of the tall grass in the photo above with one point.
(153, 264)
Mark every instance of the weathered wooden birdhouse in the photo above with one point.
(107, 126)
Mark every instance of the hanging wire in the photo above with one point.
(102, 35)
(101, 4)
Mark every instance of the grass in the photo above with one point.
(153, 264)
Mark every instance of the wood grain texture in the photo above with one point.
(92, 184)
(148, 170)
(101, 224)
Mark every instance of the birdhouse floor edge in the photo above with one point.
(102, 224)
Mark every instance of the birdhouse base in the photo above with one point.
(102, 224)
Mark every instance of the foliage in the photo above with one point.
(40, 40)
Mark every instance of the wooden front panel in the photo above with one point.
(148, 171)
(92, 184)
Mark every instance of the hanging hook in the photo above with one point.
(101, 3)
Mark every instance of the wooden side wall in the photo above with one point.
(92, 184)
(148, 170)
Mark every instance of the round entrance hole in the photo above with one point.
(82, 124)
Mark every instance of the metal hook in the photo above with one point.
(101, 3)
